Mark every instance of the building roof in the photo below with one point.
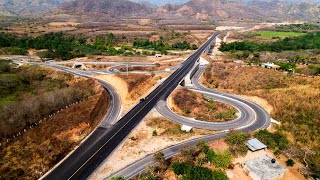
(262, 167)
(255, 144)
(270, 65)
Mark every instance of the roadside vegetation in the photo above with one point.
(192, 104)
(29, 94)
(172, 130)
(295, 101)
(308, 41)
(138, 84)
(65, 47)
(295, 54)
(163, 47)
(199, 162)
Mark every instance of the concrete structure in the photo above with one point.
(186, 128)
(79, 65)
(270, 66)
(203, 61)
(255, 145)
(264, 168)
(187, 79)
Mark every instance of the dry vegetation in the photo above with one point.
(192, 104)
(138, 84)
(169, 129)
(40, 148)
(295, 100)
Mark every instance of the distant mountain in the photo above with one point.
(161, 2)
(212, 9)
(28, 7)
(114, 8)
(199, 9)
(245, 9)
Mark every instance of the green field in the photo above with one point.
(273, 34)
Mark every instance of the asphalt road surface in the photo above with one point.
(258, 119)
(84, 160)
(248, 111)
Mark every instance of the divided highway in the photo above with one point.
(84, 160)
(253, 117)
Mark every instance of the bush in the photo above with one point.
(272, 140)
(222, 159)
(236, 140)
(190, 172)
(5, 66)
(290, 162)
(154, 133)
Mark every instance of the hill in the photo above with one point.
(113, 8)
(246, 10)
(22, 7)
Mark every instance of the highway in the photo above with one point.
(257, 118)
(84, 160)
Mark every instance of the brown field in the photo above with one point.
(138, 84)
(192, 104)
(295, 101)
(40, 148)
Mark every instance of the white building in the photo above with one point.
(264, 168)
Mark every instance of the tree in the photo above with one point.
(222, 159)
(290, 162)
(236, 140)
(158, 157)
(210, 155)
(203, 146)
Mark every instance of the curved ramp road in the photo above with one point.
(114, 69)
(249, 112)
(85, 159)
(262, 116)
(253, 118)
(115, 104)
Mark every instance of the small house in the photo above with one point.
(255, 145)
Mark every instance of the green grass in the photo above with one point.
(8, 99)
(274, 34)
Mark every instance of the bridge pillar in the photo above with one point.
(187, 79)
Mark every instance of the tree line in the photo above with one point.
(308, 41)
(65, 47)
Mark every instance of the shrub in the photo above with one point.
(290, 162)
(222, 159)
(190, 172)
(154, 133)
(272, 140)
(236, 140)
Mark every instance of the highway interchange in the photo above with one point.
(112, 130)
